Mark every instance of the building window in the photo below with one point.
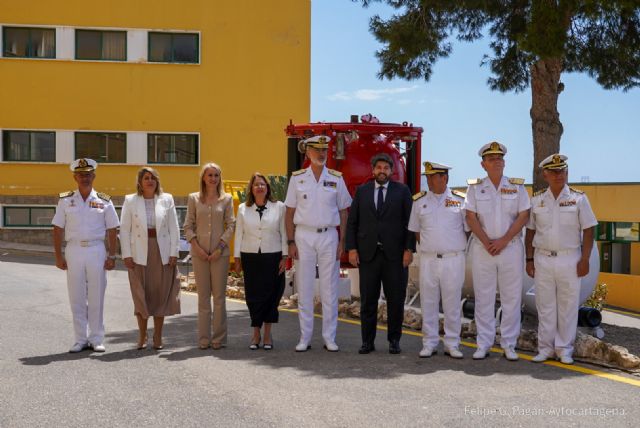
(172, 148)
(28, 216)
(173, 47)
(103, 147)
(101, 45)
(23, 42)
(29, 146)
(626, 231)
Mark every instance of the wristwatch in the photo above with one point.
(291, 241)
(112, 258)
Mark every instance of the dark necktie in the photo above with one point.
(380, 200)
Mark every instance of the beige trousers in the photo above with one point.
(211, 280)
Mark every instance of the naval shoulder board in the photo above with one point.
(104, 196)
(418, 195)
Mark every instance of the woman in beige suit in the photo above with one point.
(149, 236)
(208, 227)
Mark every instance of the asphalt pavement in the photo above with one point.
(41, 384)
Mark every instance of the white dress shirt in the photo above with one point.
(266, 234)
(376, 189)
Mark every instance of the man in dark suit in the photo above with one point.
(381, 246)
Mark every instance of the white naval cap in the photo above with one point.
(492, 148)
(83, 165)
(318, 141)
(431, 168)
(554, 161)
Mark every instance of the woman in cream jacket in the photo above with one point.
(209, 228)
(149, 236)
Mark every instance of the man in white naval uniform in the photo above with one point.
(558, 242)
(82, 218)
(317, 201)
(497, 208)
(437, 218)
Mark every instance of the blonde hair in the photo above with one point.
(250, 199)
(155, 175)
(203, 186)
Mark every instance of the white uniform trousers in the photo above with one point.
(504, 271)
(317, 248)
(557, 288)
(441, 277)
(86, 283)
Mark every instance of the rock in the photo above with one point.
(469, 330)
(528, 340)
(354, 310)
(595, 349)
(382, 312)
(291, 302)
(412, 319)
(235, 292)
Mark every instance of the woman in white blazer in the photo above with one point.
(149, 237)
(260, 248)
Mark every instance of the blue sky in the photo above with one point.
(456, 108)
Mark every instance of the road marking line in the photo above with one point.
(574, 368)
(618, 311)
(579, 369)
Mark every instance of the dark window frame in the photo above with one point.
(29, 48)
(610, 232)
(29, 207)
(173, 61)
(75, 145)
(196, 148)
(101, 32)
(5, 145)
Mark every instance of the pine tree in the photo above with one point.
(532, 43)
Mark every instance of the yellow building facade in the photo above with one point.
(617, 208)
(163, 83)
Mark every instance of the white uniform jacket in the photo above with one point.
(133, 228)
(559, 222)
(267, 233)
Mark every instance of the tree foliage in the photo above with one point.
(532, 42)
(600, 38)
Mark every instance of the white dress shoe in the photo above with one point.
(331, 347)
(78, 347)
(98, 348)
(480, 354)
(427, 351)
(302, 347)
(566, 359)
(453, 352)
(510, 354)
(540, 358)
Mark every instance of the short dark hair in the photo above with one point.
(381, 157)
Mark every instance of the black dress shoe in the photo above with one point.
(394, 347)
(366, 348)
